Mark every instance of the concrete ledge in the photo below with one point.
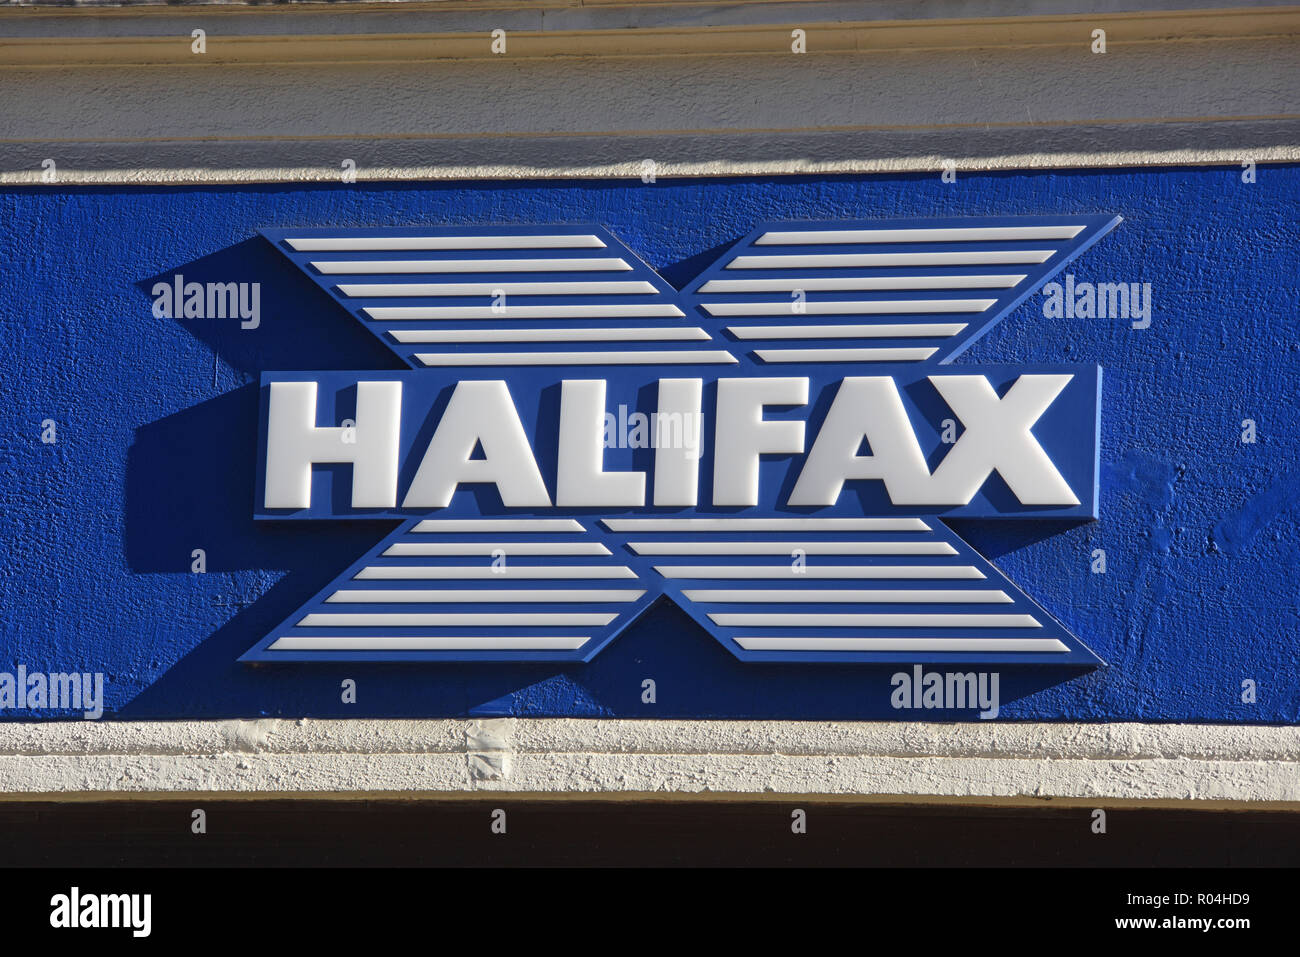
(1252, 142)
(1248, 766)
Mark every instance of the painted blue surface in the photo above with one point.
(157, 423)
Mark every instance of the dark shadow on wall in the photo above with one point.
(299, 326)
(190, 485)
(993, 537)
(190, 475)
(680, 273)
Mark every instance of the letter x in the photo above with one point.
(534, 306)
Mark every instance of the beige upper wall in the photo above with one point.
(594, 89)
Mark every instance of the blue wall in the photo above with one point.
(157, 430)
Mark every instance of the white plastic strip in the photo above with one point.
(625, 334)
(785, 548)
(419, 643)
(468, 595)
(488, 548)
(918, 330)
(841, 260)
(1028, 645)
(383, 243)
(840, 595)
(575, 311)
(609, 287)
(956, 234)
(632, 357)
(765, 524)
(498, 525)
(822, 308)
(387, 266)
(859, 283)
(835, 620)
(444, 619)
(901, 354)
(437, 572)
(864, 572)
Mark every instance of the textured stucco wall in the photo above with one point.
(157, 422)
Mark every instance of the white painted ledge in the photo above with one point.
(1202, 765)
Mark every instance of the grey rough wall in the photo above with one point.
(1017, 107)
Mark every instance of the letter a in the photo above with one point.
(478, 413)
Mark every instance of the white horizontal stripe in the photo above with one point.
(765, 524)
(633, 357)
(625, 334)
(806, 620)
(429, 595)
(859, 283)
(845, 355)
(785, 548)
(820, 308)
(840, 260)
(575, 288)
(487, 548)
(882, 331)
(817, 595)
(391, 314)
(575, 311)
(389, 266)
(418, 643)
(498, 525)
(926, 235)
(430, 572)
(1013, 645)
(825, 571)
(462, 619)
(378, 243)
